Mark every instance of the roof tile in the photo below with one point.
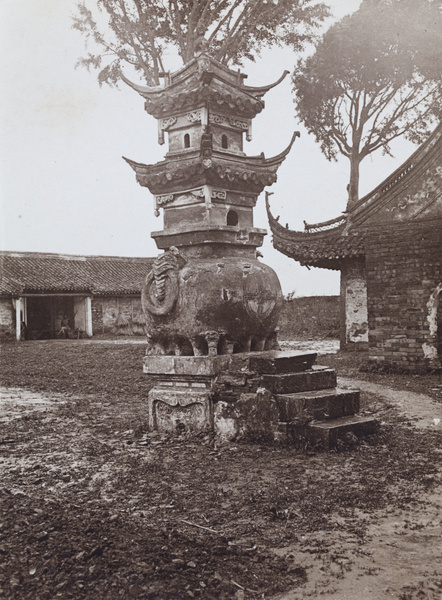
(32, 272)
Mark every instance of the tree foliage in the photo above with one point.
(376, 75)
(141, 33)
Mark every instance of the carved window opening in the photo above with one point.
(232, 218)
(186, 140)
(224, 142)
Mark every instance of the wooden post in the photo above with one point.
(88, 315)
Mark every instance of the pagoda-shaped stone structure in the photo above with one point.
(211, 306)
(208, 294)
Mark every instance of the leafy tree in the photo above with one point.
(376, 75)
(141, 33)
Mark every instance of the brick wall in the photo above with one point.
(404, 270)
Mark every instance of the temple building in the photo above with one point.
(388, 248)
(48, 296)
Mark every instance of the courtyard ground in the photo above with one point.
(95, 507)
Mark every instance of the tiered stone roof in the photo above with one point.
(203, 80)
(251, 173)
(203, 85)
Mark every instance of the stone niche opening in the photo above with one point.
(232, 218)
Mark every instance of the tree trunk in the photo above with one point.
(353, 186)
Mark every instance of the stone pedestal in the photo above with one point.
(260, 396)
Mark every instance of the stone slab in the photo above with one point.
(186, 365)
(272, 361)
(313, 379)
(322, 404)
(253, 417)
(327, 433)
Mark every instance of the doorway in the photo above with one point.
(45, 315)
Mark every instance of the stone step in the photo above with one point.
(327, 433)
(316, 378)
(318, 405)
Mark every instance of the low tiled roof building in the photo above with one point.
(44, 296)
(388, 247)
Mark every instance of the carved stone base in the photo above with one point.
(181, 406)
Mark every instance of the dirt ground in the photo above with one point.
(93, 506)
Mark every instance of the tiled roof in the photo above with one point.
(34, 272)
(325, 250)
(200, 81)
(327, 244)
(317, 248)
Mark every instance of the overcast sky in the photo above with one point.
(64, 185)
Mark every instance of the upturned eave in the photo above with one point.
(261, 90)
(201, 81)
(326, 249)
(192, 170)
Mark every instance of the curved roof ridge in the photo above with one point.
(143, 90)
(293, 235)
(263, 89)
(281, 156)
(400, 173)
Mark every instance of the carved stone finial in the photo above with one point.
(201, 44)
(212, 339)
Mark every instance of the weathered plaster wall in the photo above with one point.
(354, 317)
(7, 318)
(110, 314)
(79, 314)
(432, 348)
(404, 272)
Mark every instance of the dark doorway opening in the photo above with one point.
(47, 316)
